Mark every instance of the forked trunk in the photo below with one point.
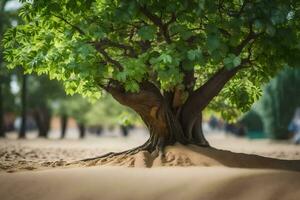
(166, 124)
(166, 128)
(172, 119)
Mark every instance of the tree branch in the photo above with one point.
(107, 42)
(251, 36)
(173, 19)
(224, 32)
(201, 97)
(73, 26)
(108, 58)
(158, 22)
(142, 102)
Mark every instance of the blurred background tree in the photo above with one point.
(7, 18)
(273, 113)
(280, 100)
(109, 113)
(43, 92)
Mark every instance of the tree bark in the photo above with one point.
(63, 124)
(157, 113)
(200, 98)
(22, 131)
(168, 118)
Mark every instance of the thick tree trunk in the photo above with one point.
(63, 124)
(22, 131)
(161, 116)
(170, 117)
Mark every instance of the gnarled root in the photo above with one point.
(186, 155)
(138, 156)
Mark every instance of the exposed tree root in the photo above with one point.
(186, 155)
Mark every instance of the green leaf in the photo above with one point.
(212, 42)
(232, 61)
(258, 25)
(132, 86)
(147, 32)
(270, 30)
(194, 54)
(236, 61)
(165, 58)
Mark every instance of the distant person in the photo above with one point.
(294, 127)
(213, 122)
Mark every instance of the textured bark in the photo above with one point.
(200, 98)
(159, 115)
(171, 117)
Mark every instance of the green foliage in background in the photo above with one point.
(86, 43)
(105, 113)
(279, 102)
(108, 112)
(6, 96)
(43, 92)
(252, 121)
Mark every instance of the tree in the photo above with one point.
(22, 131)
(77, 108)
(3, 25)
(62, 112)
(166, 60)
(108, 113)
(279, 102)
(74, 107)
(252, 124)
(43, 93)
(7, 99)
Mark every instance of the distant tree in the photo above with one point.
(7, 99)
(74, 107)
(43, 93)
(252, 121)
(22, 131)
(108, 113)
(5, 20)
(63, 114)
(166, 60)
(279, 102)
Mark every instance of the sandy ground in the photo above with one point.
(207, 183)
(32, 154)
(37, 173)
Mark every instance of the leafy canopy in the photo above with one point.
(86, 43)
